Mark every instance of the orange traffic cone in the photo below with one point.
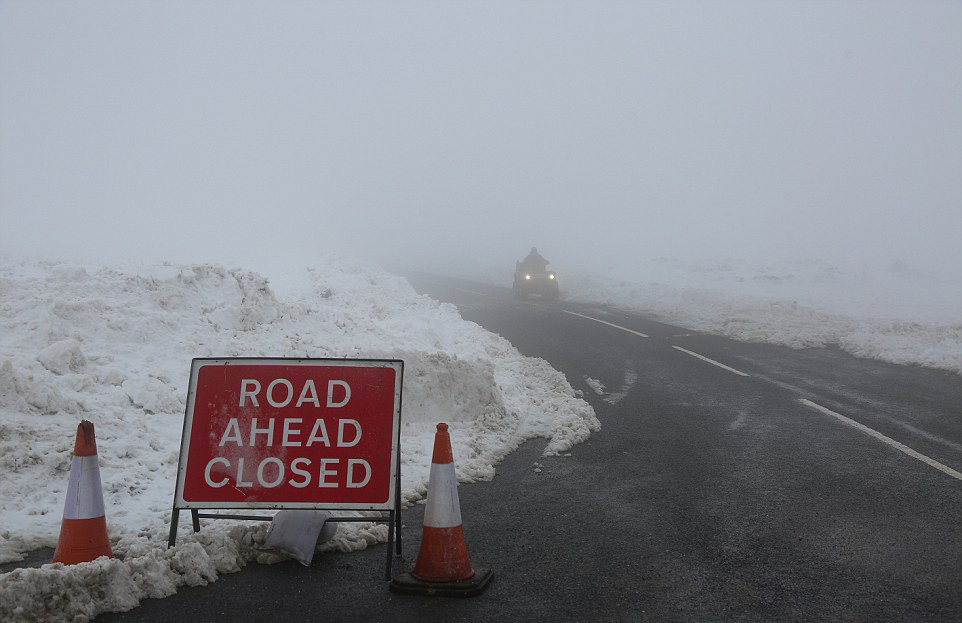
(443, 567)
(83, 533)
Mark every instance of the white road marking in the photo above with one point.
(887, 440)
(470, 291)
(603, 322)
(711, 361)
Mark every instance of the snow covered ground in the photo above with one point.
(114, 344)
(894, 313)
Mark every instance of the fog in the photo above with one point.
(440, 134)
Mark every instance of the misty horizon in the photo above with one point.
(420, 133)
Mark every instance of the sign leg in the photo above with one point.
(390, 546)
(396, 524)
(174, 518)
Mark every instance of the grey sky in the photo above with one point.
(602, 132)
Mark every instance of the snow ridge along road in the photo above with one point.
(114, 345)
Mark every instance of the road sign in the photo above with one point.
(291, 433)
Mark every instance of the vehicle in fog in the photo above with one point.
(531, 276)
(527, 283)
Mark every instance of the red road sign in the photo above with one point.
(290, 433)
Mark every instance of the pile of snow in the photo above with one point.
(114, 345)
(894, 313)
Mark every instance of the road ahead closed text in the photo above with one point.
(292, 434)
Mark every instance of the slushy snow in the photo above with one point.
(114, 345)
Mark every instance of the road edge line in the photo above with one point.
(711, 361)
(901, 447)
(469, 291)
(638, 333)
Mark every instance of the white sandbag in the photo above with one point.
(297, 533)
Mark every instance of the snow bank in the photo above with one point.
(114, 346)
(893, 313)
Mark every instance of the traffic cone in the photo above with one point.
(443, 567)
(83, 533)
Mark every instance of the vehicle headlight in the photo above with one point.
(527, 277)
(551, 276)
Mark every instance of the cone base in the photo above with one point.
(406, 583)
(443, 556)
(82, 540)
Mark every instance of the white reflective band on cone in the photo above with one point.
(85, 500)
(444, 508)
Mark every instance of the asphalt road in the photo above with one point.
(730, 482)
